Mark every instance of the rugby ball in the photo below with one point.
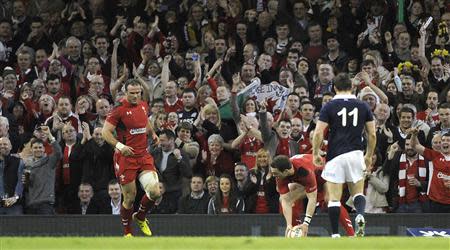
(295, 232)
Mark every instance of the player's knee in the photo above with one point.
(150, 184)
(154, 193)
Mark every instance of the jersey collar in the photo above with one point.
(344, 97)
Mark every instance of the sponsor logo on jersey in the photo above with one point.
(441, 175)
(136, 131)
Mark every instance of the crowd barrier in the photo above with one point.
(207, 225)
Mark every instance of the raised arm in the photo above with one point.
(116, 85)
(415, 141)
(165, 72)
(114, 73)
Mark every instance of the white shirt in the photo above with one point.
(164, 160)
(116, 209)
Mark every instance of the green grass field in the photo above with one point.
(229, 243)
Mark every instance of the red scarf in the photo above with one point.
(283, 147)
(66, 165)
(404, 169)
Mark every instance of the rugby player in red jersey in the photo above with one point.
(297, 177)
(129, 119)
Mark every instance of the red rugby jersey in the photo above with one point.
(309, 182)
(131, 124)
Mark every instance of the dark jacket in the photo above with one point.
(189, 205)
(94, 207)
(175, 170)
(252, 190)
(97, 164)
(12, 173)
(236, 205)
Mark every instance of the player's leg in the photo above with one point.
(334, 174)
(359, 201)
(344, 218)
(150, 184)
(334, 206)
(126, 176)
(126, 209)
(355, 181)
(346, 222)
(298, 193)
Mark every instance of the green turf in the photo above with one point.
(229, 243)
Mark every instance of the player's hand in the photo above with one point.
(127, 151)
(368, 161)
(288, 229)
(10, 201)
(155, 140)
(305, 228)
(317, 160)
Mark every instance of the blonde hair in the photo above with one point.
(209, 108)
(263, 151)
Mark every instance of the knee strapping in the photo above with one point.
(149, 183)
(334, 204)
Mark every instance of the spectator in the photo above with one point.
(377, 186)
(408, 169)
(242, 178)
(384, 129)
(186, 143)
(40, 196)
(444, 122)
(173, 164)
(61, 116)
(226, 201)
(189, 113)
(70, 169)
(407, 116)
(249, 141)
(261, 189)
(212, 184)
(216, 161)
(97, 162)
(86, 203)
(439, 183)
(114, 199)
(163, 205)
(11, 169)
(197, 201)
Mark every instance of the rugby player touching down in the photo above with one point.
(346, 118)
(132, 160)
(296, 180)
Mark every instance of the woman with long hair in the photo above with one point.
(226, 201)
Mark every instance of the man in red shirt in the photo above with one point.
(439, 183)
(296, 179)
(132, 160)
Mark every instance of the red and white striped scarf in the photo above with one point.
(402, 180)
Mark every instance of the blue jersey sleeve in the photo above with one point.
(324, 114)
(369, 112)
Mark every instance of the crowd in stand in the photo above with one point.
(63, 64)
